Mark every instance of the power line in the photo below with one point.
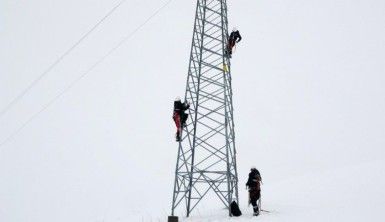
(57, 61)
(72, 84)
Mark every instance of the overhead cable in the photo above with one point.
(57, 61)
(73, 83)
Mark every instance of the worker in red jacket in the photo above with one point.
(180, 116)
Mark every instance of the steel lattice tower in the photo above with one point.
(206, 158)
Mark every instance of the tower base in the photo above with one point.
(172, 219)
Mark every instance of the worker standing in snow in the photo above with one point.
(180, 116)
(254, 186)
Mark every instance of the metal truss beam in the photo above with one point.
(206, 159)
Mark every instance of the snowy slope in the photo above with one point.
(349, 193)
(309, 102)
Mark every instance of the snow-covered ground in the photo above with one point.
(349, 193)
(309, 98)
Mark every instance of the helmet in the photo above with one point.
(235, 29)
(177, 98)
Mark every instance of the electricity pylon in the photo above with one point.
(206, 160)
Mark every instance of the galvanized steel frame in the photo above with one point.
(206, 154)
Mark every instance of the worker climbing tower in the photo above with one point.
(206, 160)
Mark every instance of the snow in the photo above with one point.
(345, 194)
(308, 82)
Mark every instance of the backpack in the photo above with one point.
(234, 209)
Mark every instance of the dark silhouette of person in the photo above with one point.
(234, 37)
(254, 186)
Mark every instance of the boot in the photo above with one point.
(256, 211)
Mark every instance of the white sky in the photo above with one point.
(308, 83)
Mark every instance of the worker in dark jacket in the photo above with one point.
(254, 186)
(180, 116)
(235, 37)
